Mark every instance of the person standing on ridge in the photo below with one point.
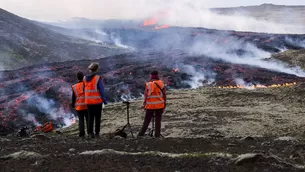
(154, 103)
(94, 99)
(78, 103)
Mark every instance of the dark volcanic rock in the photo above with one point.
(179, 154)
(24, 42)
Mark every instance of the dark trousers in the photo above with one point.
(149, 114)
(95, 114)
(82, 116)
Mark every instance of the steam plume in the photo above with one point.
(252, 56)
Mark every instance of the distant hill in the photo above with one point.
(24, 42)
(270, 12)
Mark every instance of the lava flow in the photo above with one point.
(38, 94)
(41, 93)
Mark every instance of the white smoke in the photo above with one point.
(125, 92)
(189, 13)
(68, 118)
(94, 35)
(53, 109)
(117, 42)
(31, 118)
(207, 19)
(99, 36)
(296, 42)
(252, 56)
(49, 107)
(198, 78)
(243, 83)
(100, 32)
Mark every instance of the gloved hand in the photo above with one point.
(105, 103)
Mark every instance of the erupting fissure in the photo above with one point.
(154, 21)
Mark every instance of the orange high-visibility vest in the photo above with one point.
(92, 94)
(78, 90)
(154, 99)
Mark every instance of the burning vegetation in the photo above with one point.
(259, 86)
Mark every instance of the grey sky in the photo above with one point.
(52, 10)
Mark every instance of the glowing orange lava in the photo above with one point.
(154, 21)
(260, 86)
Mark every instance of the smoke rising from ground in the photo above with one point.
(243, 83)
(298, 43)
(117, 41)
(251, 55)
(198, 78)
(31, 118)
(41, 106)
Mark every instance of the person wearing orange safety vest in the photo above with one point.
(78, 103)
(94, 99)
(154, 103)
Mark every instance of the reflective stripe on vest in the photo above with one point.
(78, 90)
(154, 103)
(92, 94)
(154, 98)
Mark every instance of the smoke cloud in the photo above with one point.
(251, 55)
(186, 13)
(196, 17)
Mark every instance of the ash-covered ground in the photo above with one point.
(206, 129)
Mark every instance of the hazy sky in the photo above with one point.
(52, 10)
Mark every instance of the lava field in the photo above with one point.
(36, 94)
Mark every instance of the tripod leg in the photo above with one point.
(130, 130)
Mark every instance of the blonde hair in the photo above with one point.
(93, 67)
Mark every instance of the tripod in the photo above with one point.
(128, 124)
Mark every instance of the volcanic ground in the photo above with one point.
(38, 93)
(206, 129)
(214, 119)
